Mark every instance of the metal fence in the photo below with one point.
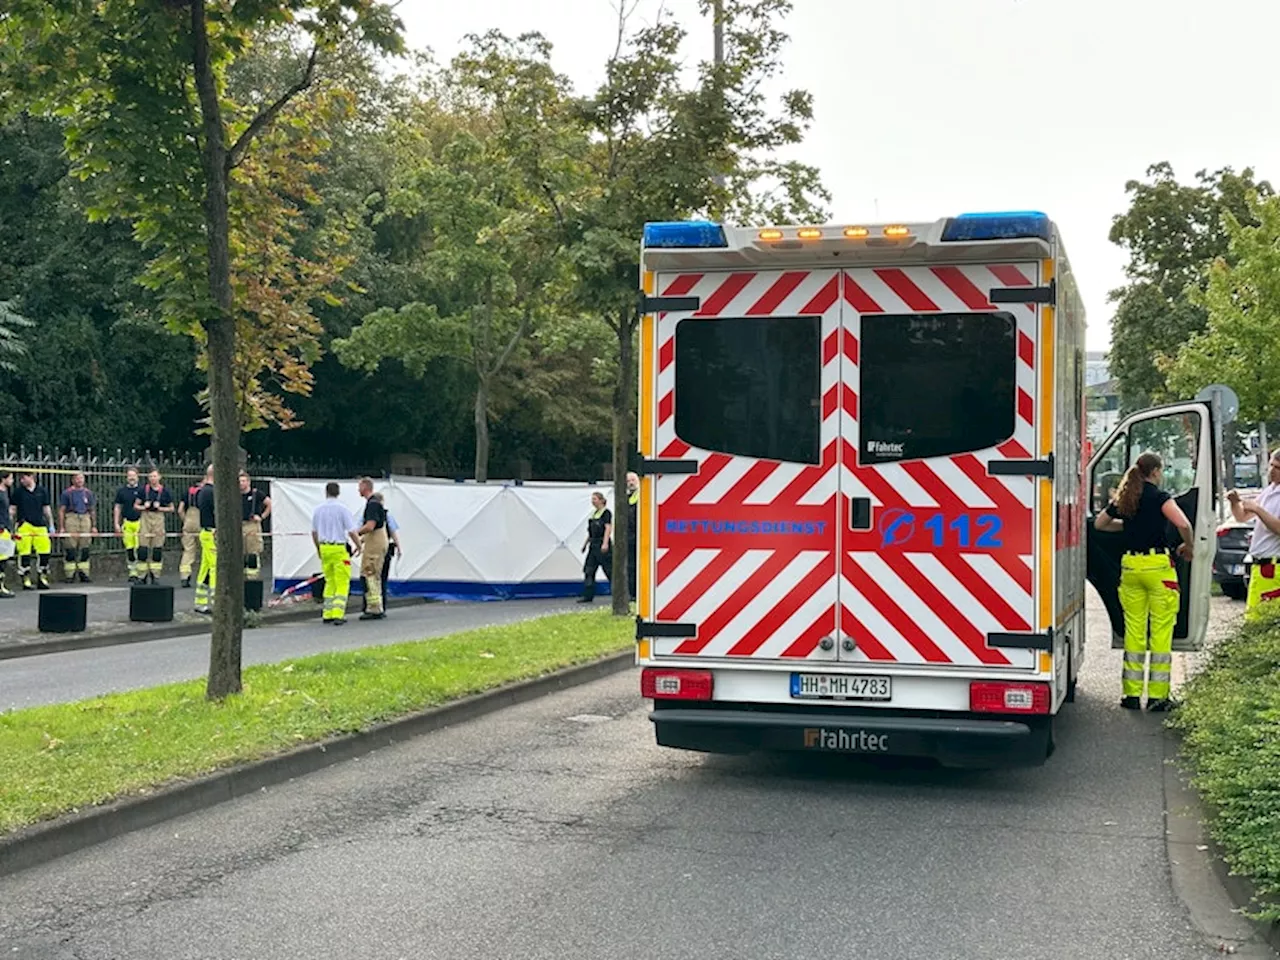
(104, 473)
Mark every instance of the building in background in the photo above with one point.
(1102, 396)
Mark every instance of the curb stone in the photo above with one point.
(42, 842)
(1212, 895)
(167, 631)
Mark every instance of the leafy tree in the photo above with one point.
(491, 247)
(1240, 346)
(141, 84)
(662, 150)
(12, 336)
(1172, 232)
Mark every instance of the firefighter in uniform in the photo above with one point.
(596, 547)
(6, 534)
(207, 578)
(1264, 547)
(633, 531)
(156, 501)
(76, 525)
(1149, 592)
(373, 547)
(33, 518)
(255, 507)
(189, 514)
(128, 520)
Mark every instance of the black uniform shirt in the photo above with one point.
(204, 503)
(4, 510)
(376, 512)
(252, 504)
(31, 504)
(153, 498)
(596, 525)
(126, 498)
(1146, 529)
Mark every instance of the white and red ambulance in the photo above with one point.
(866, 516)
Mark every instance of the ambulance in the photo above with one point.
(866, 515)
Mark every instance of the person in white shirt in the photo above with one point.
(333, 531)
(1264, 548)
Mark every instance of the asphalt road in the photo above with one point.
(558, 830)
(75, 675)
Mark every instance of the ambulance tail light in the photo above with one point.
(1017, 225)
(685, 234)
(658, 683)
(1001, 697)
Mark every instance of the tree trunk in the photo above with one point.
(482, 430)
(228, 605)
(623, 444)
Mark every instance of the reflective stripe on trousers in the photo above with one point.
(1264, 583)
(129, 535)
(335, 562)
(1150, 598)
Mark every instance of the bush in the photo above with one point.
(1230, 720)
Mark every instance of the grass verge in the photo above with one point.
(1230, 721)
(60, 758)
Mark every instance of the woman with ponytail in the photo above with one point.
(1149, 595)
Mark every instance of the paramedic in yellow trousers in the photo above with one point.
(1149, 592)
(1264, 547)
(333, 531)
(6, 534)
(189, 514)
(128, 520)
(77, 527)
(32, 514)
(373, 546)
(207, 578)
(156, 501)
(255, 507)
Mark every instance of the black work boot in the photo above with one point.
(1131, 703)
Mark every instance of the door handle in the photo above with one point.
(860, 513)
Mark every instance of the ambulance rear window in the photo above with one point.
(935, 385)
(750, 387)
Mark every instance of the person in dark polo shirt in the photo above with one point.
(33, 521)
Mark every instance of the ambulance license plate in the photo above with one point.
(841, 686)
(1236, 570)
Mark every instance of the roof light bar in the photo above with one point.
(684, 234)
(1014, 225)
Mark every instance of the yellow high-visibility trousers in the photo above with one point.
(129, 534)
(1264, 583)
(208, 577)
(1150, 599)
(335, 562)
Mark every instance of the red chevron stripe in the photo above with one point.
(670, 561)
(986, 595)
(1016, 569)
(889, 609)
(731, 606)
(851, 346)
(871, 648)
(778, 291)
(666, 407)
(830, 347)
(935, 600)
(1026, 349)
(1013, 450)
(1004, 498)
(817, 579)
(697, 588)
(691, 486)
(808, 641)
(676, 449)
(906, 289)
(747, 484)
(1010, 275)
(724, 294)
(1026, 408)
(962, 287)
(824, 299)
(666, 353)
(858, 298)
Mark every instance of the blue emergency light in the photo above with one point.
(1014, 225)
(684, 233)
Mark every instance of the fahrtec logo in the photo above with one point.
(882, 449)
(845, 741)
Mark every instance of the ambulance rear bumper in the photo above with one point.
(963, 741)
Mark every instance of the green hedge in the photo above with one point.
(1230, 720)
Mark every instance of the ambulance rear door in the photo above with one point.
(939, 471)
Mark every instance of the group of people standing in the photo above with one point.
(338, 537)
(138, 510)
(1150, 594)
(599, 543)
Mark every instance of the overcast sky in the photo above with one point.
(928, 108)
